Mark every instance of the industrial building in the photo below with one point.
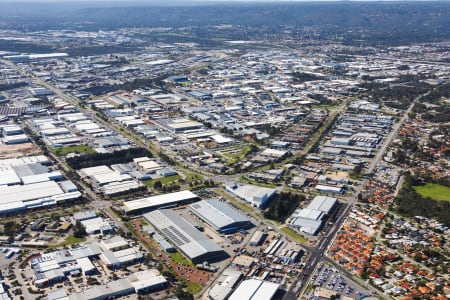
(116, 259)
(113, 243)
(97, 225)
(329, 189)
(27, 183)
(226, 283)
(258, 238)
(27, 57)
(323, 204)
(220, 216)
(114, 252)
(254, 289)
(141, 282)
(255, 195)
(85, 215)
(310, 219)
(160, 201)
(181, 125)
(53, 267)
(106, 181)
(188, 240)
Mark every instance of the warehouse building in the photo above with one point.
(105, 180)
(111, 290)
(323, 204)
(16, 139)
(141, 282)
(87, 267)
(147, 281)
(35, 194)
(181, 125)
(329, 189)
(255, 289)
(258, 238)
(53, 267)
(124, 257)
(225, 285)
(310, 219)
(160, 201)
(185, 236)
(255, 195)
(97, 225)
(220, 216)
(113, 243)
(85, 215)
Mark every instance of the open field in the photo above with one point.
(163, 180)
(434, 191)
(70, 240)
(10, 151)
(79, 149)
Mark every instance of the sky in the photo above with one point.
(169, 1)
(197, 1)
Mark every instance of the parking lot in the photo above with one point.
(332, 279)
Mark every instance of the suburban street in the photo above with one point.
(318, 252)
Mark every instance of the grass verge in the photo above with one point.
(177, 257)
(295, 235)
(194, 287)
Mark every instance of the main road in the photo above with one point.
(318, 251)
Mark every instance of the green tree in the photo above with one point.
(79, 231)
(157, 185)
(183, 295)
(11, 228)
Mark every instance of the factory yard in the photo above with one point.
(186, 272)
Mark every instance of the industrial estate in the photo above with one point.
(238, 169)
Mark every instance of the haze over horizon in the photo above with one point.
(206, 1)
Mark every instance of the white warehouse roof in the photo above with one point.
(218, 214)
(159, 201)
(322, 203)
(254, 289)
(19, 193)
(184, 236)
(146, 279)
(253, 194)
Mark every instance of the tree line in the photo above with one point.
(11, 86)
(283, 205)
(97, 159)
(409, 203)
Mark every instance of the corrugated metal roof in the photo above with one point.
(218, 214)
(254, 289)
(155, 201)
(322, 203)
(182, 234)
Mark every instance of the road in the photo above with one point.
(317, 252)
(96, 202)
